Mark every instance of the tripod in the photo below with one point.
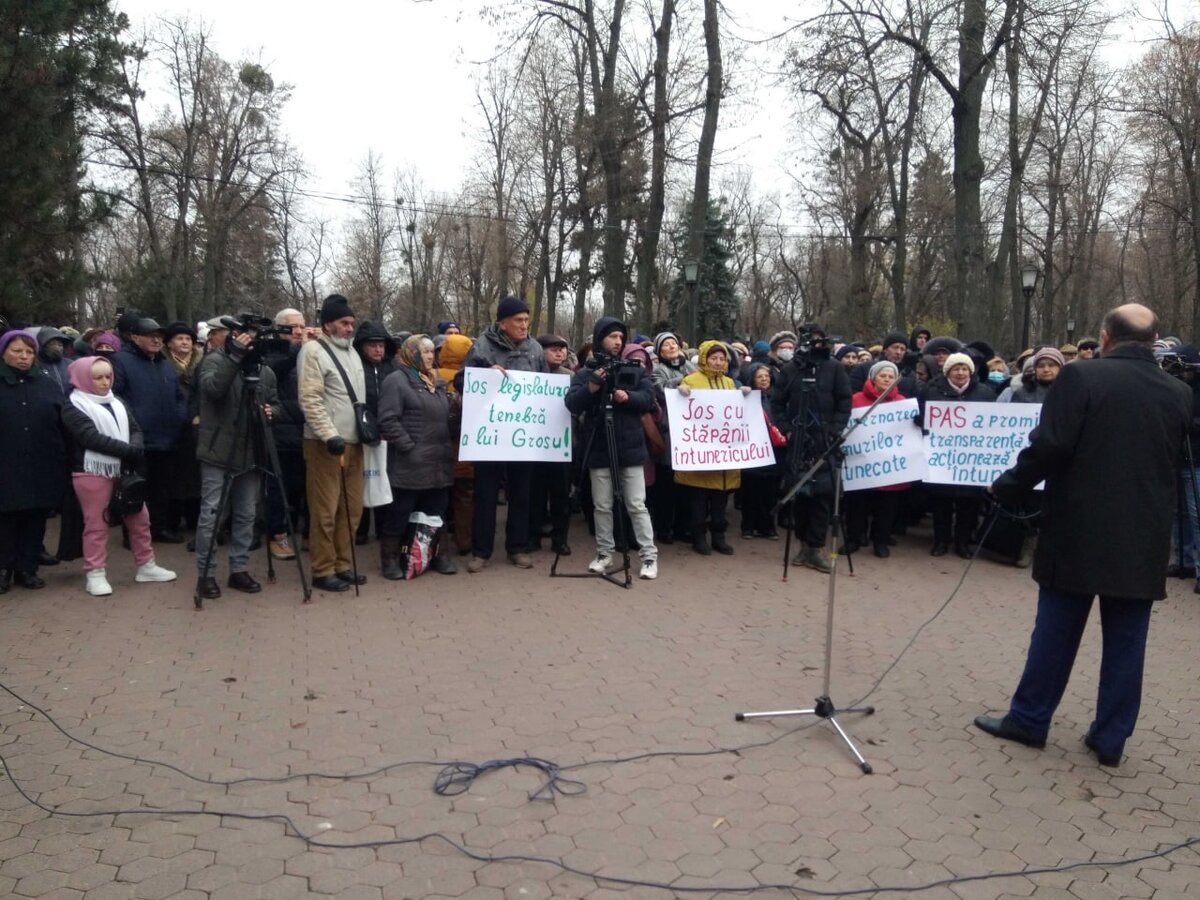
(618, 497)
(250, 414)
(824, 707)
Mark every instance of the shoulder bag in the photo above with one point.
(365, 420)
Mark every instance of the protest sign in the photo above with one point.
(885, 449)
(715, 430)
(514, 417)
(971, 444)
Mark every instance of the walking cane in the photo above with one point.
(349, 526)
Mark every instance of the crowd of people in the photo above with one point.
(190, 410)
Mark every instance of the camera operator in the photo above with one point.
(1184, 364)
(629, 388)
(1107, 445)
(811, 405)
(229, 382)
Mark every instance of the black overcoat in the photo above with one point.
(33, 455)
(415, 422)
(1107, 446)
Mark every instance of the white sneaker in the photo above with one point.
(601, 564)
(152, 571)
(649, 569)
(97, 583)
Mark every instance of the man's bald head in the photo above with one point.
(1129, 324)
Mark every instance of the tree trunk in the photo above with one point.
(708, 134)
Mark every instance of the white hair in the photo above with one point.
(283, 315)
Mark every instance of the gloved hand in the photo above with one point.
(336, 445)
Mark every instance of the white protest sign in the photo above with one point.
(885, 449)
(971, 444)
(716, 430)
(514, 417)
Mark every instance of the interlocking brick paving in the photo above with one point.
(513, 663)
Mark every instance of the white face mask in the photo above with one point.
(786, 354)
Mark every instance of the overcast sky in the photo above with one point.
(396, 77)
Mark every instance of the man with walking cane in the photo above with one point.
(331, 382)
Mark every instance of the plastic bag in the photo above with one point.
(376, 489)
(419, 545)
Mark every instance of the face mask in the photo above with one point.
(52, 353)
(996, 377)
(785, 355)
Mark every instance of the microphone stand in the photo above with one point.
(824, 707)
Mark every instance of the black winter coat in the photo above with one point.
(1107, 447)
(33, 455)
(627, 419)
(831, 391)
(82, 435)
(372, 373)
(415, 422)
(288, 425)
(152, 395)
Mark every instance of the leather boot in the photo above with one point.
(389, 558)
(720, 544)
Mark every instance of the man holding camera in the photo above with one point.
(231, 384)
(631, 393)
(329, 368)
(811, 405)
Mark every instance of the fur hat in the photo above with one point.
(959, 359)
(780, 336)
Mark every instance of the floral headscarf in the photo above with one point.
(411, 357)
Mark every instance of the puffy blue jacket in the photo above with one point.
(151, 391)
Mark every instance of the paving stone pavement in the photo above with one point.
(512, 663)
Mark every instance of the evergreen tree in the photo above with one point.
(716, 300)
(58, 63)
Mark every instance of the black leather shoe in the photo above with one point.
(330, 583)
(882, 551)
(700, 545)
(241, 581)
(207, 588)
(1003, 728)
(963, 550)
(562, 548)
(350, 578)
(5, 580)
(939, 549)
(444, 565)
(1105, 759)
(167, 537)
(721, 545)
(25, 580)
(45, 559)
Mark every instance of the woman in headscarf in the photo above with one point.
(105, 439)
(414, 418)
(669, 509)
(32, 458)
(710, 489)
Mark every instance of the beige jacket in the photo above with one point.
(323, 397)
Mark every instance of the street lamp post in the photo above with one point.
(691, 274)
(1070, 330)
(1029, 279)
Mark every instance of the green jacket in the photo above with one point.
(230, 436)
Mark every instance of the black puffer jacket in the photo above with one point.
(627, 416)
(415, 422)
(831, 391)
(373, 373)
(84, 436)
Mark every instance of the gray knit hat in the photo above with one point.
(882, 366)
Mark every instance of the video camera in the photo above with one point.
(269, 339)
(619, 374)
(1177, 367)
(810, 338)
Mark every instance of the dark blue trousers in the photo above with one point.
(1061, 617)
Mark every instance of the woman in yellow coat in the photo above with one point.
(710, 489)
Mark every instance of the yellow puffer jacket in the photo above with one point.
(707, 379)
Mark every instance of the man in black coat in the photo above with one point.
(810, 403)
(1107, 446)
(377, 350)
(590, 388)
